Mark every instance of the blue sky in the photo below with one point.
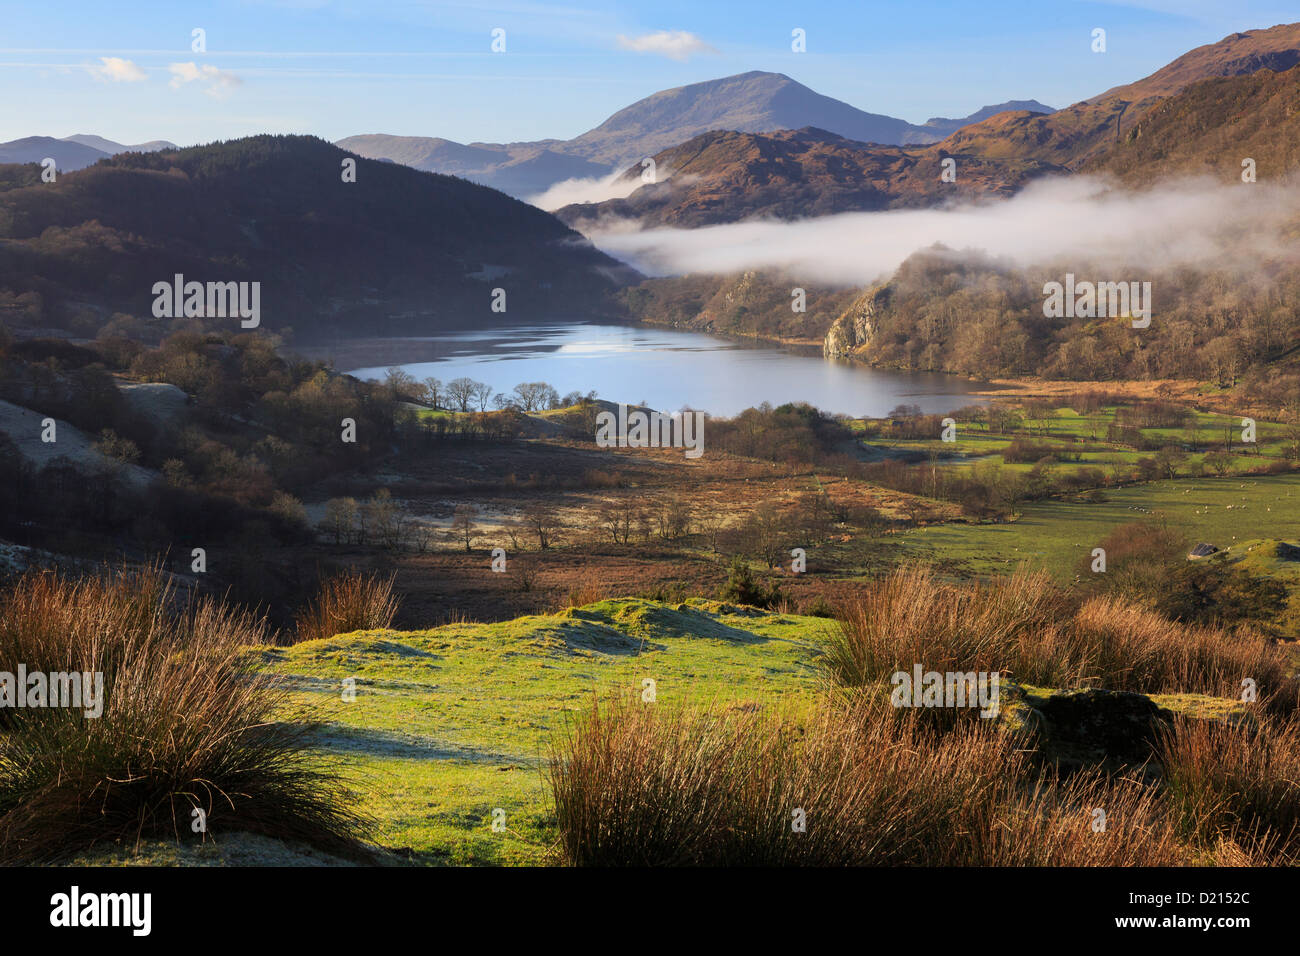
(422, 67)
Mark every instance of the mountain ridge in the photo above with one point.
(725, 176)
(752, 102)
(405, 249)
(72, 152)
(1076, 134)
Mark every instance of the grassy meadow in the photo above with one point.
(530, 739)
(451, 723)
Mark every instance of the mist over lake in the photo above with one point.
(666, 369)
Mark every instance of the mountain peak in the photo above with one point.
(753, 102)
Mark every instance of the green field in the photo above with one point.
(450, 723)
(1058, 535)
(1064, 428)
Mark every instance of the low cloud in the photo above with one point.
(674, 44)
(113, 69)
(215, 82)
(613, 186)
(617, 185)
(1197, 222)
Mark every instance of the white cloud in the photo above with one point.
(215, 82)
(613, 186)
(116, 70)
(674, 44)
(1188, 222)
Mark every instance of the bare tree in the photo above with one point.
(763, 532)
(1170, 458)
(672, 516)
(1219, 460)
(525, 572)
(433, 391)
(461, 392)
(619, 518)
(514, 528)
(421, 535)
(384, 519)
(543, 521)
(710, 525)
(815, 515)
(402, 383)
(340, 518)
(462, 524)
(536, 396)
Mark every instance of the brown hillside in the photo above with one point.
(1080, 132)
(1209, 128)
(726, 176)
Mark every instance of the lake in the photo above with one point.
(666, 369)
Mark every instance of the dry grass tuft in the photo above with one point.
(186, 725)
(346, 602)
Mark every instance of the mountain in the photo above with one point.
(71, 152)
(1072, 136)
(112, 148)
(432, 154)
(397, 249)
(1208, 128)
(519, 169)
(725, 176)
(754, 102)
(35, 149)
(1240, 54)
(938, 127)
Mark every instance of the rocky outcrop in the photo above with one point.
(856, 327)
(1101, 725)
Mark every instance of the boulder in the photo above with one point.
(1101, 725)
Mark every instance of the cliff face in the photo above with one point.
(855, 328)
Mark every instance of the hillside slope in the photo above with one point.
(1209, 128)
(275, 209)
(942, 126)
(453, 722)
(728, 177)
(1073, 135)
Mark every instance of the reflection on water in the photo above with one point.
(666, 369)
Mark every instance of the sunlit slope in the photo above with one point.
(449, 724)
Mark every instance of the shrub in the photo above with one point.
(1021, 625)
(1132, 648)
(186, 725)
(720, 786)
(588, 591)
(1010, 623)
(1235, 782)
(743, 588)
(350, 601)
